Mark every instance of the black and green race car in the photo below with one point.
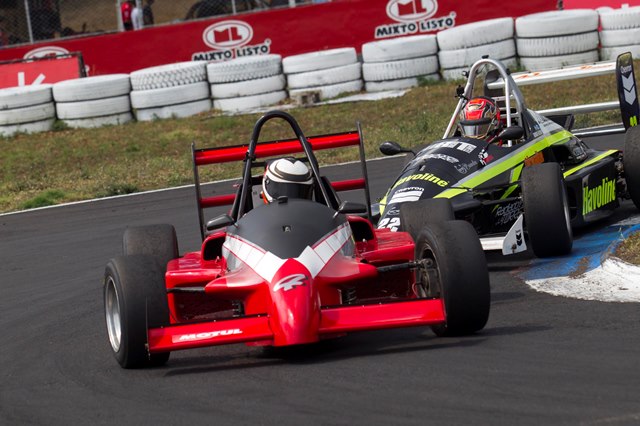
(535, 179)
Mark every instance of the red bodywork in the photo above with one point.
(299, 300)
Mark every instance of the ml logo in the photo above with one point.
(411, 10)
(227, 34)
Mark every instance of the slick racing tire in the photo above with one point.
(561, 45)
(400, 83)
(466, 57)
(393, 70)
(325, 77)
(620, 19)
(28, 114)
(93, 108)
(475, 34)
(615, 38)
(557, 22)
(90, 88)
(548, 62)
(155, 98)
(631, 163)
(256, 86)
(159, 241)
(330, 91)
(395, 49)
(415, 215)
(134, 298)
(25, 96)
(320, 60)
(245, 68)
(174, 111)
(33, 127)
(247, 103)
(455, 270)
(94, 122)
(546, 210)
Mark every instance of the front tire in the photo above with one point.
(134, 298)
(159, 241)
(455, 270)
(416, 214)
(546, 210)
(631, 163)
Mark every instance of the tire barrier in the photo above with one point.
(540, 41)
(176, 90)
(246, 83)
(620, 32)
(399, 63)
(558, 38)
(93, 101)
(325, 74)
(27, 109)
(461, 46)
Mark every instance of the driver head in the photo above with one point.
(479, 117)
(288, 177)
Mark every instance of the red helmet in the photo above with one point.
(479, 117)
(286, 176)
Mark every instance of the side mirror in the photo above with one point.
(393, 148)
(349, 207)
(511, 133)
(220, 222)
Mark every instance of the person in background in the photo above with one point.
(136, 16)
(205, 8)
(45, 20)
(125, 11)
(4, 34)
(147, 13)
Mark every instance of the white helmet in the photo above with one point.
(286, 177)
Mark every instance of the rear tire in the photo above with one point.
(414, 215)
(159, 241)
(458, 274)
(546, 210)
(134, 298)
(631, 162)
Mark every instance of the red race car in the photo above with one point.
(289, 272)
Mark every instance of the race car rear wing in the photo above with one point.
(627, 93)
(277, 148)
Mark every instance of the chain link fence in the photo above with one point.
(29, 21)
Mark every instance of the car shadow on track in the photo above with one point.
(365, 344)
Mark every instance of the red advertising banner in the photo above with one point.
(36, 72)
(289, 31)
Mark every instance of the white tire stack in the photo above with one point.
(557, 38)
(170, 91)
(399, 63)
(93, 101)
(463, 45)
(620, 32)
(246, 83)
(27, 109)
(329, 73)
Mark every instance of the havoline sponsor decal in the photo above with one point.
(599, 196)
(413, 17)
(230, 39)
(429, 177)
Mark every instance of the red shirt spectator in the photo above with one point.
(125, 9)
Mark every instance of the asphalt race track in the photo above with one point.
(541, 359)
